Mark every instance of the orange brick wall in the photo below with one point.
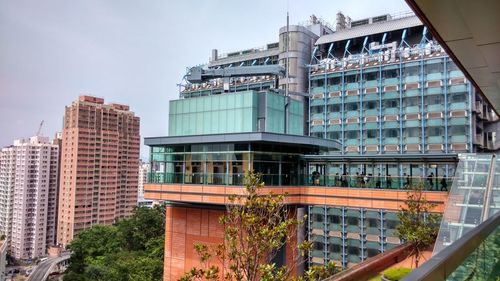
(185, 227)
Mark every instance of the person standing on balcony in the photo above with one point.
(444, 184)
(430, 179)
(338, 180)
(407, 181)
(389, 181)
(378, 182)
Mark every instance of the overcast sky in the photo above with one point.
(130, 52)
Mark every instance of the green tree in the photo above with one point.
(418, 224)
(256, 226)
(132, 249)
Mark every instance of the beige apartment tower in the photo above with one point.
(99, 159)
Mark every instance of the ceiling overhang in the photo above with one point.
(470, 33)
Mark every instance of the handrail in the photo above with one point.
(445, 262)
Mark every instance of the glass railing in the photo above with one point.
(380, 182)
(474, 257)
(332, 180)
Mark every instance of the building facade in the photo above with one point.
(7, 182)
(3, 259)
(33, 166)
(383, 108)
(99, 159)
(143, 177)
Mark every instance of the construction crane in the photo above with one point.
(39, 129)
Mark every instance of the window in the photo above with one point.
(352, 78)
(391, 133)
(372, 252)
(351, 250)
(435, 131)
(371, 104)
(436, 99)
(413, 101)
(333, 135)
(318, 218)
(334, 248)
(334, 219)
(352, 220)
(434, 68)
(371, 75)
(452, 66)
(352, 106)
(391, 224)
(318, 246)
(334, 81)
(317, 135)
(317, 83)
(391, 103)
(333, 108)
(391, 73)
(317, 109)
(412, 70)
(371, 134)
(458, 130)
(352, 134)
(459, 97)
(371, 222)
(413, 132)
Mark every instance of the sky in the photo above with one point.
(130, 52)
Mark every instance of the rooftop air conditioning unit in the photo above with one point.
(406, 52)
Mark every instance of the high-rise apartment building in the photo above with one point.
(383, 107)
(143, 177)
(7, 181)
(99, 159)
(29, 171)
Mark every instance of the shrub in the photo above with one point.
(395, 274)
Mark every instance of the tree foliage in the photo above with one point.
(131, 249)
(256, 227)
(418, 225)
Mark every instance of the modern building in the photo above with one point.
(372, 106)
(99, 159)
(29, 182)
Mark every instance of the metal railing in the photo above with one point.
(331, 180)
(472, 257)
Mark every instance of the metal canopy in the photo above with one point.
(470, 33)
(369, 29)
(244, 137)
(385, 157)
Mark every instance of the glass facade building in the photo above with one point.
(374, 108)
(239, 112)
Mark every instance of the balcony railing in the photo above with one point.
(472, 257)
(331, 180)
